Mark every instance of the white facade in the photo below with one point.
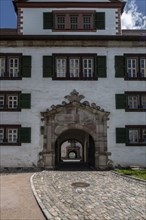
(46, 92)
(36, 18)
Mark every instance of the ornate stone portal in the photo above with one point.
(77, 120)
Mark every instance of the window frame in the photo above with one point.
(6, 128)
(6, 94)
(80, 17)
(140, 95)
(140, 128)
(74, 56)
(138, 58)
(7, 57)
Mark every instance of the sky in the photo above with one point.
(133, 17)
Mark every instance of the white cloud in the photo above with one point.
(132, 18)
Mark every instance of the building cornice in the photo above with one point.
(113, 4)
(72, 41)
(4, 37)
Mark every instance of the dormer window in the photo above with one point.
(75, 20)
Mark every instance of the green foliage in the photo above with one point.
(141, 174)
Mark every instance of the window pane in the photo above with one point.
(88, 67)
(1, 135)
(133, 135)
(12, 135)
(13, 66)
(74, 22)
(143, 101)
(2, 102)
(87, 22)
(144, 135)
(12, 102)
(61, 67)
(61, 22)
(2, 66)
(143, 67)
(132, 67)
(74, 65)
(133, 102)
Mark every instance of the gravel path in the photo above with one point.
(17, 201)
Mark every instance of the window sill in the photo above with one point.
(75, 79)
(10, 110)
(136, 145)
(74, 30)
(135, 110)
(135, 78)
(10, 144)
(11, 78)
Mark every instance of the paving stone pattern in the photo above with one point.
(109, 197)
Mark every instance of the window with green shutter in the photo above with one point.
(100, 20)
(25, 135)
(121, 135)
(47, 66)
(121, 101)
(25, 101)
(48, 20)
(26, 66)
(119, 66)
(101, 66)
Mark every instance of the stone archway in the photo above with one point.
(79, 142)
(74, 115)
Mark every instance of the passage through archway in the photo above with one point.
(75, 146)
(74, 131)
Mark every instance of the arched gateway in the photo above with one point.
(75, 131)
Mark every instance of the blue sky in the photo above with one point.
(135, 12)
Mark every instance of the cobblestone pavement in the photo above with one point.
(108, 197)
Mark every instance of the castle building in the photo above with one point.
(72, 83)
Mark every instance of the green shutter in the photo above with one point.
(120, 101)
(25, 100)
(101, 66)
(25, 135)
(26, 66)
(48, 20)
(119, 66)
(47, 66)
(121, 135)
(100, 20)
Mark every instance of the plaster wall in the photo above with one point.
(46, 92)
(35, 27)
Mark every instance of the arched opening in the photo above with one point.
(71, 151)
(75, 147)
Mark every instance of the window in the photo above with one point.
(1, 135)
(61, 67)
(136, 100)
(60, 22)
(9, 66)
(75, 67)
(14, 100)
(74, 20)
(131, 101)
(14, 135)
(131, 66)
(14, 66)
(137, 135)
(86, 22)
(131, 135)
(136, 67)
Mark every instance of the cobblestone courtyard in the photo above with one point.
(108, 197)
